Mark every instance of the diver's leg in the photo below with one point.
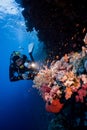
(30, 50)
(30, 47)
(31, 57)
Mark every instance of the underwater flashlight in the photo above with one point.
(33, 65)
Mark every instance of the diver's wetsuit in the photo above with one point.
(16, 72)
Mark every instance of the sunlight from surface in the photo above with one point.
(8, 7)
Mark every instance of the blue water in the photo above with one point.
(21, 107)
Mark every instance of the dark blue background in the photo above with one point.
(21, 107)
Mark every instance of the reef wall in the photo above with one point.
(61, 24)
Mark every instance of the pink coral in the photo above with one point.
(81, 94)
(54, 90)
(79, 98)
(46, 96)
(84, 86)
(44, 88)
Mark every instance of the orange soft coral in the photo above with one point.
(68, 93)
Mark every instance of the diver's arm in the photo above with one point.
(12, 77)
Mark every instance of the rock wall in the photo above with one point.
(61, 24)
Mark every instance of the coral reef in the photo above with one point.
(63, 87)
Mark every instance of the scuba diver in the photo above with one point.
(21, 67)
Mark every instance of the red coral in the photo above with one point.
(55, 106)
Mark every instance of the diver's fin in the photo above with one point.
(30, 47)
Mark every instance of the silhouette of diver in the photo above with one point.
(21, 67)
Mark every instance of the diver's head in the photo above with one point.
(19, 61)
(15, 56)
